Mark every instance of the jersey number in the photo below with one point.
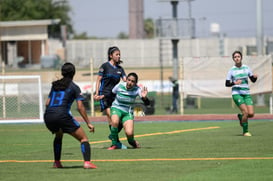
(57, 98)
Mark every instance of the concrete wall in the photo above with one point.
(149, 52)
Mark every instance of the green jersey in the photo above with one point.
(240, 73)
(125, 98)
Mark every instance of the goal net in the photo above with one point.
(21, 99)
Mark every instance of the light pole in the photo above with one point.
(259, 42)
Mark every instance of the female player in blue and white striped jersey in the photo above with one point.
(122, 108)
(237, 78)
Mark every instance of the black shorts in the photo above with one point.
(106, 102)
(54, 122)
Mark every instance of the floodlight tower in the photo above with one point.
(175, 32)
(260, 41)
(175, 29)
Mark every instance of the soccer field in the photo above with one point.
(170, 150)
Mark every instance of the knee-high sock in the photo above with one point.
(119, 129)
(114, 135)
(132, 141)
(120, 126)
(57, 148)
(245, 127)
(86, 151)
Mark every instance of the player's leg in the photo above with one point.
(238, 100)
(114, 128)
(129, 131)
(106, 105)
(250, 107)
(245, 115)
(57, 149)
(250, 111)
(80, 135)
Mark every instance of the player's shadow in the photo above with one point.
(71, 167)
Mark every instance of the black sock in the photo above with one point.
(120, 126)
(57, 147)
(86, 151)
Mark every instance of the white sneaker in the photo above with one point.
(247, 134)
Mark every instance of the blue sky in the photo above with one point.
(236, 18)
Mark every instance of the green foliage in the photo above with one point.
(149, 28)
(81, 36)
(122, 35)
(15, 10)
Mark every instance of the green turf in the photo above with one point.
(165, 154)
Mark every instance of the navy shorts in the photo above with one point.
(65, 122)
(106, 102)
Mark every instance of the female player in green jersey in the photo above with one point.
(237, 78)
(122, 109)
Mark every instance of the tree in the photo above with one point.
(122, 35)
(149, 28)
(81, 36)
(16, 10)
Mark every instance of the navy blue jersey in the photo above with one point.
(61, 101)
(110, 77)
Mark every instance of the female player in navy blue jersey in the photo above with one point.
(109, 75)
(59, 120)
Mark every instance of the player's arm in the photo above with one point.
(115, 89)
(229, 83)
(253, 78)
(146, 101)
(82, 112)
(47, 102)
(144, 97)
(123, 77)
(96, 96)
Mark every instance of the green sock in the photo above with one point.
(114, 134)
(118, 130)
(245, 127)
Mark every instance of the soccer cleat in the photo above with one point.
(240, 119)
(121, 146)
(89, 165)
(57, 164)
(247, 134)
(136, 144)
(113, 147)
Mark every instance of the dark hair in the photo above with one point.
(68, 72)
(134, 75)
(235, 52)
(111, 50)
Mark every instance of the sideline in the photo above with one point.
(141, 159)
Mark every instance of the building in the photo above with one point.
(24, 42)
